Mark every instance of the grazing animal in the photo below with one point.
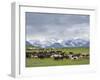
(75, 57)
(35, 56)
(71, 55)
(41, 56)
(66, 56)
(57, 56)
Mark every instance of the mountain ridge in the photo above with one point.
(60, 43)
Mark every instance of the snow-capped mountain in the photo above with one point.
(55, 45)
(60, 43)
(76, 43)
(35, 42)
(28, 43)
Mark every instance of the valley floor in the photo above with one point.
(31, 62)
(36, 62)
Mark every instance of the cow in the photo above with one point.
(57, 57)
(72, 56)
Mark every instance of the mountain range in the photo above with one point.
(59, 43)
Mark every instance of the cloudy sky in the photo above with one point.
(43, 26)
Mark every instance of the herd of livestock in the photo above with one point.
(56, 55)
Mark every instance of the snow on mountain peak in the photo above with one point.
(55, 43)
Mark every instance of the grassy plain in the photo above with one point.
(31, 62)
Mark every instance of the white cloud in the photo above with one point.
(56, 26)
(61, 32)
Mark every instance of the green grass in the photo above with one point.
(66, 50)
(31, 62)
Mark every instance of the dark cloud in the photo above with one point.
(40, 19)
(55, 25)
